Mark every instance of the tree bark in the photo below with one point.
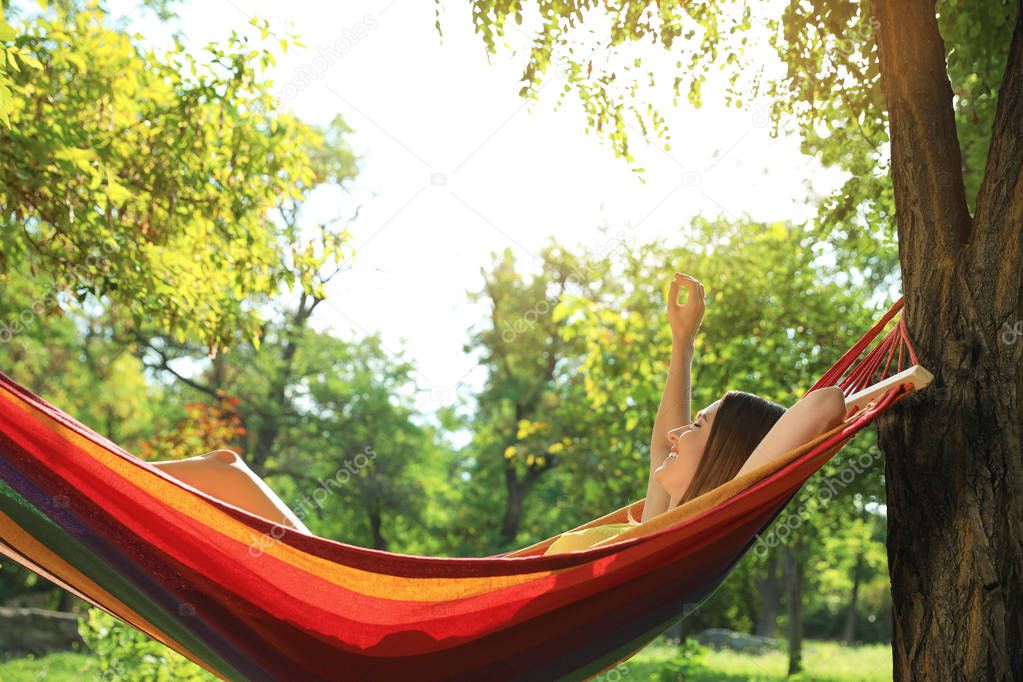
(67, 601)
(849, 633)
(513, 506)
(376, 523)
(794, 580)
(770, 597)
(517, 489)
(954, 453)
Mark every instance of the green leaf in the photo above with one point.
(7, 32)
(29, 60)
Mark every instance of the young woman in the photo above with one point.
(733, 435)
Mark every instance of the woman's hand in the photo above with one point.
(685, 320)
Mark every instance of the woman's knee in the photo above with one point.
(225, 456)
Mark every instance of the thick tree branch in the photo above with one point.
(930, 195)
(999, 218)
(164, 364)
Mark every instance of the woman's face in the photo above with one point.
(687, 446)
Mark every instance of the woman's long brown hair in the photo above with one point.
(740, 423)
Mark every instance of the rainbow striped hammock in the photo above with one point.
(178, 564)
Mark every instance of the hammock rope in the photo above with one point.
(250, 600)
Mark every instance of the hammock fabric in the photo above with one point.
(248, 600)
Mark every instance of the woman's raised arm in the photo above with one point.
(675, 409)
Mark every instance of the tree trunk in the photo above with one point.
(513, 506)
(66, 601)
(849, 633)
(794, 589)
(953, 461)
(266, 437)
(517, 489)
(675, 634)
(375, 522)
(770, 597)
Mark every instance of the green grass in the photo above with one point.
(62, 666)
(822, 662)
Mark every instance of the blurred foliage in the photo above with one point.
(688, 659)
(202, 424)
(307, 408)
(72, 360)
(125, 653)
(13, 59)
(531, 412)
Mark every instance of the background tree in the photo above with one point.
(328, 422)
(108, 186)
(528, 413)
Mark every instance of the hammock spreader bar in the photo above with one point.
(251, 600)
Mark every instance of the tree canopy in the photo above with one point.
(148, 185)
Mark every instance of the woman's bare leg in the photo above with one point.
(224, 475)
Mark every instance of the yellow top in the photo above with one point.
(587, 537)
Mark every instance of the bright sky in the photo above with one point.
(456, 165)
